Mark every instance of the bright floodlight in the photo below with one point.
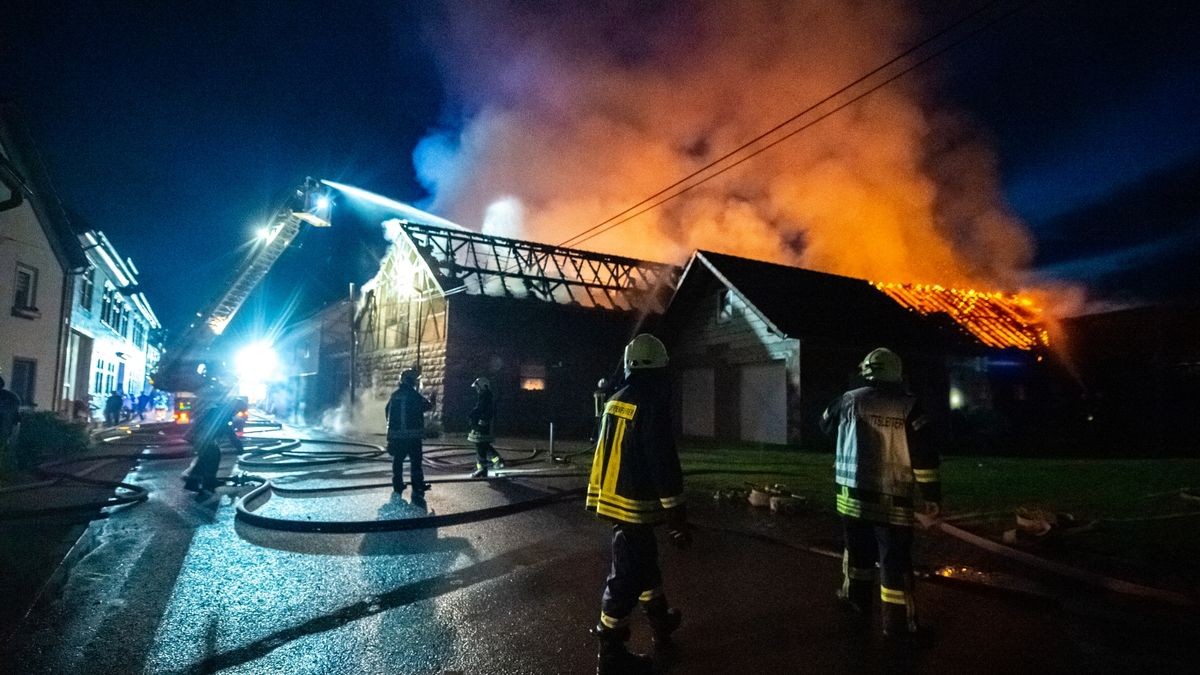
(322, 203)
(263, 232)
(256, 366)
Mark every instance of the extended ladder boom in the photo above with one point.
(178, 369)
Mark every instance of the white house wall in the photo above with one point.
(23, 241)
(743, 341)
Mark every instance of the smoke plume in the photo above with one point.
(561, 117)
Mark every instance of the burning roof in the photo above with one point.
(463, 261)
(996, 319)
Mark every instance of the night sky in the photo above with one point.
(175, 128)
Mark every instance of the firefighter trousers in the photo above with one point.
(410, 449)
(891, 545)
(634, 576)
(202, 474)
(486, 456)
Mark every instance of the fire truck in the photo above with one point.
(187, 365)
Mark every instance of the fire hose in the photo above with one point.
(269, 454)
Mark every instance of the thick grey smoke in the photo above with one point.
(563, 116)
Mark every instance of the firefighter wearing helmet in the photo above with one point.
(405, 414)
(636, 483)
(885, 468)
(482, 418)
(212, 424)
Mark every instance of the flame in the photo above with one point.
(995, 318)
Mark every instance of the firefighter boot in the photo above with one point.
(481, 471)
(662, 624)
(900, 625)
(855, 598)
(614, 658)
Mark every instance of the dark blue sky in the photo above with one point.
(175, 128)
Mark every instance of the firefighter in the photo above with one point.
(482, 418)
(884, 463)
(212, 423)
(636, 483)
(405, 414)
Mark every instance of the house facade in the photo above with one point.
(38, 258)
(110, 346)
(758, 350)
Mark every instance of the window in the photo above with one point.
(122, 323)
(110, 377)
(25, 288)
(106, 307)
(139, 333)
(98, 384)
(24, 379)
(533, 377)
(724, 306)
(87, 289)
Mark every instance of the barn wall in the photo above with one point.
(500, 338)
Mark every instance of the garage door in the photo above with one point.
(764, 402)
(696, 385)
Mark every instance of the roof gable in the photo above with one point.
(825, 309)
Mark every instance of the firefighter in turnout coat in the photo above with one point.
(636, 483)
(212, 424)
(482, 418)
(405, 413)
(883, 465)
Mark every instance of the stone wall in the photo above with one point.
(378, 373)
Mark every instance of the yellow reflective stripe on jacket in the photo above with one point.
(892, 595)
(604, 508)
(625, 502)
(927, 475)
(609, 484)
(620, 409)
(885, 511)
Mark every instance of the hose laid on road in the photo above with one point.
(247, 515)
(1092, 578)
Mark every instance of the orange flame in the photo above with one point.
(994, 318)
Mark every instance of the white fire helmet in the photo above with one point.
(481, 383)
(645, 351)
(881, 365)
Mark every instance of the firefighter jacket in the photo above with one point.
(882, 458)
(213, 423)
(405, 414)
(482, 418)
(635, 475)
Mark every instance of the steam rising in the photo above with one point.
(573, 114)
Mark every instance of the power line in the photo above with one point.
(612, 221)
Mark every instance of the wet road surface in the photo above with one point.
(177, 586)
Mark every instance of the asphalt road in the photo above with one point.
(177, 586)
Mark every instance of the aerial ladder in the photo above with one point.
(184, 367)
